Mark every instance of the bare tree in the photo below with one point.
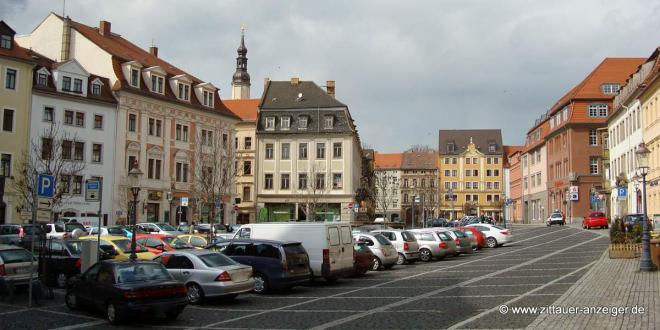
(55, 152)
(384, 183)
(214, 173)
(316, 190)
(419, 148)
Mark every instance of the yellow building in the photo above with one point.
(16, 65)
(471, 173)
(649, 98)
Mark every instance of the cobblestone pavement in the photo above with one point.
(465, 292)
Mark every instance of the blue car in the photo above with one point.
(276, 264)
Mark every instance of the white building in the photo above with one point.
(81, 108)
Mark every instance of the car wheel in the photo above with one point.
(71, 300)
(195, 294)
(113, 314)
(425, 255)
(388, 267)
(401, 260)
(377, 265)
(491, 242)
(61, 280)
(260, 283)
(607, 227)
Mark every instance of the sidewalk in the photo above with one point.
(612, 283)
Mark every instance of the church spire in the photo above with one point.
(241, 80)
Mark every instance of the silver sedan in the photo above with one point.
(207, 274)
(385, 255)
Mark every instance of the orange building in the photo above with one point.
(512, 162)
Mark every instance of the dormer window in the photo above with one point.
(77, 85)
(286, 122)
(451, 147)
(492, 147)
(66, 83)
(270, 123)
(208, 98)
(135, 78)
(184, 92)
(5, 41)
(328, 121)
(96, 88)
(157, 83)
(610, 88)
(42, 79)
(302, 122)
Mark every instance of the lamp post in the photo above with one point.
(450, 192)
(134, 176)
(503, 209)
(169, 198)
(642, 155)
(636, 178)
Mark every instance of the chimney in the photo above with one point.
(266, 81)
(153, 50)
(66, 39)
(330, 87)
(295, 81)
(104, 28)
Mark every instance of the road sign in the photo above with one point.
(573, 189)
(43, 216)
(25, 215)
(509, 201)
(594, 199)
(92, 189)
(574, 196)
(46, 185)
(417, 199)
(44, 203)
(356, 207)
(217, 203)
(622, 193)
(184, 201)
(349, 205)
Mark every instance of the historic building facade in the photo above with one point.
(419, 183)
(650, 98)
(387, 172)
(534, 175)
(514, 191)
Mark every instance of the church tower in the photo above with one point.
(240, 84)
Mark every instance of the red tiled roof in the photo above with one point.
(387, 161)
(15, 52)
(245, 109)
(510, 150)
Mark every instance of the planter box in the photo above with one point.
(625, 250)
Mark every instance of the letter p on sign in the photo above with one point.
(46, 185)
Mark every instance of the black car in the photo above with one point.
(440, 222)
(276, 264)
(62, 261)
(629, 220)
(123, 287)
(11, 234)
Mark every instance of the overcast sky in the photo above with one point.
(404, 68)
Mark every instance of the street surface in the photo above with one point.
(463, 292)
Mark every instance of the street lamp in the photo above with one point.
(134, 176)
(504, 210)
(169, 198)
(642, 155)
(636, 178)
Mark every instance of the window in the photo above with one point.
(67, 147)
(208, 98)
(157, 84)
(302, 151)
(98, 121)
(610, 88)
(155, 127)
(270, 123)
(42, 79)
(153, 172)
(285, 151)
(496, 185)
(80, 119)
(565, 114)
(268, 182)
(65, 180)
(5, 41)
(489, 160)
(320, 181)
(446, 161)
(320, 150)
(302, 122)
(225, 139)
(10, 79)
(488, 173)
(451, 147)
(269, 151)
(454, 172)
(475, 172)
(336, 181)
(489, 198)
(184, 92)
(552, 123)
(475, 198)
(247, 167)
(447, 185)
(496, 160)
(284, 182)
(468, 198)
(5, 165)
(593, 137)
(492, 147)
(447, 172)
(468, 172)
(207, 138)
(597, 110)
(132, 161)
(77, 184)
(66, 83)
(496, 172)
(181, 172)
(475, 185)
(248, 143)
(285, 122)
(135, 78)
(8, 120)
(77, 85)
(593, 165)
(181, 133)
(454, 160)
(302, 181)
(96, 89)
(336, 150)
(467, 160)
(96, 152)
(79, 151)
(247, 196)
(468, 185)
(328, 121)
(132, 122)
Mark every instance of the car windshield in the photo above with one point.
(27, 230)
(443, 236)
(597, 214)
(216, 260)
(183, 228)
(498, 227)
(69, 227)
(459, 233)
(556, 215)
(408, 236)
(220, 228)
(125, 246)
(15, 255)
(166, 227)
(176, 243)
(75, 247)
(382, 240)
(116, 231)
(139, 272)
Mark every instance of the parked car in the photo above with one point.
(430, 245)
(479, 241)
(405, 243)
(449, 242)
(463, 242)
(157, 244)
(595, 219)
(363, 258)
(15, 265)
(117, 231)
(495, 235)
(329, 245)
(26, 238)
(128, 231)
(185, 228)
(207, 274)
(440, 222)
(276, 264)
(198, 241)
(368, 228)
(385, 254)
(629, 220)
(158, 228)
(120, 247)
(555, 218)
(61, 230)
(62, 260)
(121, 288)
(11, 234)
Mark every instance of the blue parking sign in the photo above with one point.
(46, 185)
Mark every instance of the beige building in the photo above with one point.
(16, 65)
(419, 183)
(650, 98)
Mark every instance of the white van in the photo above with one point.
(329, 245)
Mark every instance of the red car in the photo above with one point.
(363, 258)
(157, 244)
(481, 239)
(595, 219)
